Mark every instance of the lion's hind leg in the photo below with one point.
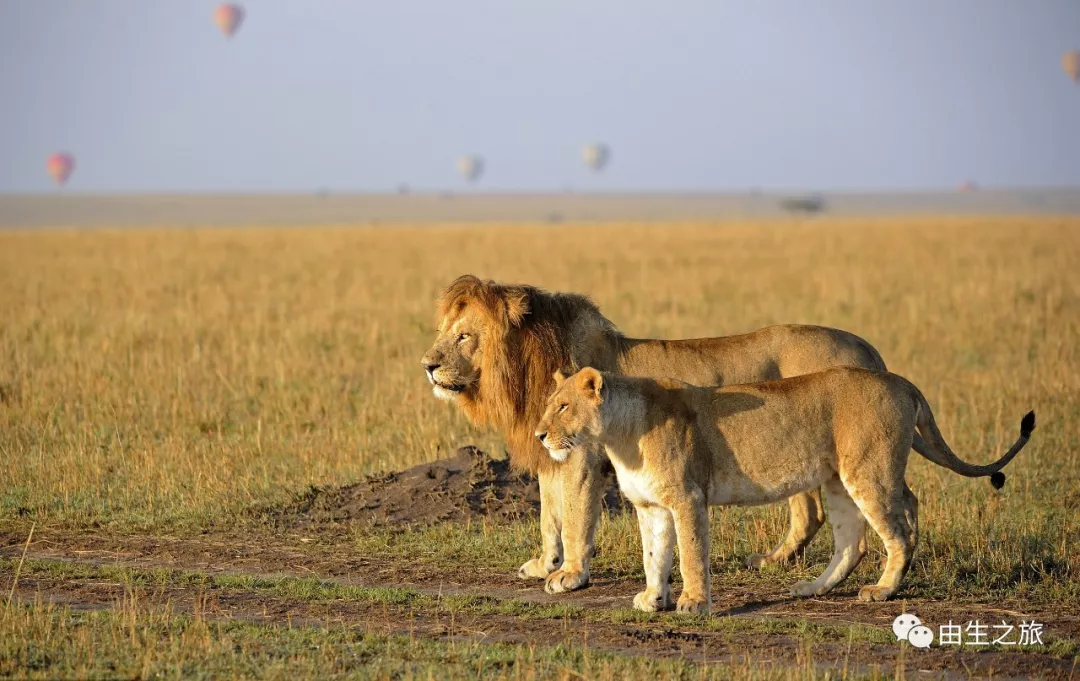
(807, 517)
(893, 513)
(911, 516)
(849, 529)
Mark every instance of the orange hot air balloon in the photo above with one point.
(60, 166)
(1070, 61)
(228, 18)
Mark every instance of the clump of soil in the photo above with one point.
(468, 485)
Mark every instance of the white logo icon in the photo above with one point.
(903, 624)
(910, 628)
(920, 636)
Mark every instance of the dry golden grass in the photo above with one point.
(167, 379)
(154, 376)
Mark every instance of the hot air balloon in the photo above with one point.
(967, 186)
(60, 166)
(470, 167)
(596, 155)
(1070, 61)
(228, 18)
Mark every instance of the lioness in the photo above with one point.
(678, 448)
(494, 355)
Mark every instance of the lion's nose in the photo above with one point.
(430, 367)
(541, 436)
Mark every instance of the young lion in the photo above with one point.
(677, 448)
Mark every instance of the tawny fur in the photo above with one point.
(525, 335)
(678, 448)
(516, 336)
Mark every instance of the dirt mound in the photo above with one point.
(471, 484)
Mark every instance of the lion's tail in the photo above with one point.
(938, 451)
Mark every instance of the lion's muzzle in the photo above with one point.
(441, 388)
(559, 451)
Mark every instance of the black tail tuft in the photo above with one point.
(997, 480)
(1027, 424)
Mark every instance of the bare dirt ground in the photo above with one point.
(470, 484)
(303, 539)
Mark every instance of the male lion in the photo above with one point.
(498, 346)
(678, 448)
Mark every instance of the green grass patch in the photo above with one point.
(40, 641)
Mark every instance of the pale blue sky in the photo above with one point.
(358, 95)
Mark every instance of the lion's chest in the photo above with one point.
(638, 487)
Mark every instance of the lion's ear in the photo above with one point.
(517, 306)
(590, 381)
(559, 377)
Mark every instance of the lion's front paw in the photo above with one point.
(651, 600)
(566, 580)
(693, 606)
(804, 589)
(875, 593)
(539, 568)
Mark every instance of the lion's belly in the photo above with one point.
(766, 447)
(739, 490)
(767, 476)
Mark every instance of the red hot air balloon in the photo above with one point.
(1070, 62)
(60, 166)
(228, 18)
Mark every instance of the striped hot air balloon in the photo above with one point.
(60, 165)
(471, 167)
(228, 18)
(1070, 61)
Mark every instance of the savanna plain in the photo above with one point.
(182, 409)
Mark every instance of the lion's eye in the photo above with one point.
(463, 337)
(562, 408)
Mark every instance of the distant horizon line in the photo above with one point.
(508, 193)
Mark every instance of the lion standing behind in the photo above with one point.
(498, 346)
